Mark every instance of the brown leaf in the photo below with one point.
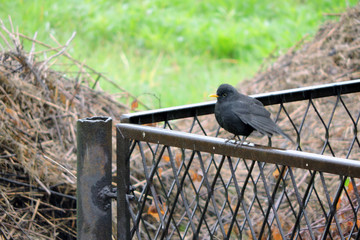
(152, 211)
(195, 176)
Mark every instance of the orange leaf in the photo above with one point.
(134, 104)
(276, 174)
(350, 187)
(152, 211)
(166, 158)
(338, 203)
(195, 176)
(177, 159)
(276, 234)
(226, 228)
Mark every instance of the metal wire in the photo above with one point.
(195, 186)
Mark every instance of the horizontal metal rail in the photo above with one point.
(297, 159)
(271, 98)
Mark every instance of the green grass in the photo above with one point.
(179, 51)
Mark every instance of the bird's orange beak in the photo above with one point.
(213, 95)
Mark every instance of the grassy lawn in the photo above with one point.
(178, 51)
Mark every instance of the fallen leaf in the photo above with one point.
(350, 188)
(166, 158)
(196, 177)
(134, 104)
(276, 173)
(152, 211)
(276, 234)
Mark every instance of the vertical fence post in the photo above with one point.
(123, 184)
(94, 152)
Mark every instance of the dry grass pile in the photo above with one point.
(333, 55)
(39, 109)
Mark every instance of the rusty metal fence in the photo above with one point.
(178, 177)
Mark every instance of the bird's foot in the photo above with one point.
(231, 140)
(239, 142)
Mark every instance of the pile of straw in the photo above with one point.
(39, 109)
(333, 55)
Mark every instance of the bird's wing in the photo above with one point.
(264, 125)
(255, 115)
(247, 111)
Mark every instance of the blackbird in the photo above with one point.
(241, 115)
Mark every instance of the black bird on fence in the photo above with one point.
(241, 115)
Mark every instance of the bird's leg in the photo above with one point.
(269, 142)
(238, 141)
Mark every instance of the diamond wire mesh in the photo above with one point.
(184, 194)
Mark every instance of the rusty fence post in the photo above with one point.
(123, 185)
(94, 150)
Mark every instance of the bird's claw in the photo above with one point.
(239, 143)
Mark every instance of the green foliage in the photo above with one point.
(180, 50)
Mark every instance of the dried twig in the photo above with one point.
(45, 63)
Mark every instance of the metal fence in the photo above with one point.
(181, 179)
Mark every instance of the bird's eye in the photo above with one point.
(224, 94)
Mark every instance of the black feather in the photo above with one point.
(241, 115)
